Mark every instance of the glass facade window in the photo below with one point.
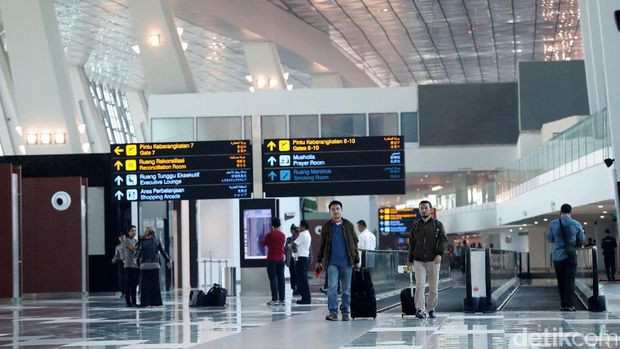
(218, 128)
(114, 110)
(343, 125)
(172, 129)
(409, 126)
(273, 126)
(304, 126)
(382, 124)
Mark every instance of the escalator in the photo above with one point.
(537, 297)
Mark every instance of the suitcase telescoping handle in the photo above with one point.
(411, 283)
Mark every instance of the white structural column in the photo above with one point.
(328, 80)
(10, 139)
(42, 90)
(139, 114)
(165, 67)
(602, 57)
(264, 65)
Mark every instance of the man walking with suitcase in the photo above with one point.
(427, 244)
(338, 253)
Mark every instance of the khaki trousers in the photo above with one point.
(421, 269)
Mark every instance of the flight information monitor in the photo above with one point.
(333, 166)
(181, 170)
(395, 225)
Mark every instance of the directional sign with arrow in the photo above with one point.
(271, 145)
(118, 194)
(272, 175)
(118, 180)
(271, 161)
(118, 150)
(118, 165)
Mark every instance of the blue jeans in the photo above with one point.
(344, 274)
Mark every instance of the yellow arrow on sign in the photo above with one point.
(271, 145)
(118, 165)
(118, 150)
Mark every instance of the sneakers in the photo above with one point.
(276, 302)
(345, 317)
(323, 290)
(431, 314)
(333, 316)
(303, 302)
(568, 309)
(419, 314)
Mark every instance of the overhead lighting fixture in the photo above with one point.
(19, 130)
(602, 217)
(289, 87)
(251, 89)
(179, 31)
(184, 45)
(249, 78)
(425, 176)
(421, 179)
(436, 188)
(585, 223)
(535, 222)
(136, 49)
(520, 228)
(600, 206)
(45, 138)
(545, 219)
(285, 75)
(260, 83)
(605, 212)
(385, 9)
(86, 147)
(154, 40)
(31, 138)
(273, 83)
(60, 138)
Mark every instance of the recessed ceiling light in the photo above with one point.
(520, 228)
(421, 179)
(425, 176)
(605, 212)
(535, 222)
(136, 49)
(585, 223)
(510, 230)
(545, 219)
(385, 10)
(602, 217)
(600, 206)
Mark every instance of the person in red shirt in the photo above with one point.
(274, 241)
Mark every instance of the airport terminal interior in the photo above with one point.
(166, 165)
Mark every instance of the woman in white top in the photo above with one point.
(302, 245)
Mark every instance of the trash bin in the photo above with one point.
(228, 279)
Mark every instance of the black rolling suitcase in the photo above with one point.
(363, 301)
(407, 301)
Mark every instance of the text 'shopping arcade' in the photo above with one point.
(333, 166)
(182, 170)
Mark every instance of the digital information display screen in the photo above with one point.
(395, 226)
(333, 166)
(181, 171)
(254, 223)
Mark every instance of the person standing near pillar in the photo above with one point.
(302, 244)
(119, 261)
(275, 240)
(609, 246)
(132, 271)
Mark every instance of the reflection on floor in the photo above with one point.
(103, 322)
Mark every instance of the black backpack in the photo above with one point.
(216, 297)
(197, 298)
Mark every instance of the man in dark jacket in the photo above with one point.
(338, 254)
(609, 246)
(427, 244)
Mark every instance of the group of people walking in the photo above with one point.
(138, 262)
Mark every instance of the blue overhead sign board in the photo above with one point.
(181, 170)
(333, 166)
